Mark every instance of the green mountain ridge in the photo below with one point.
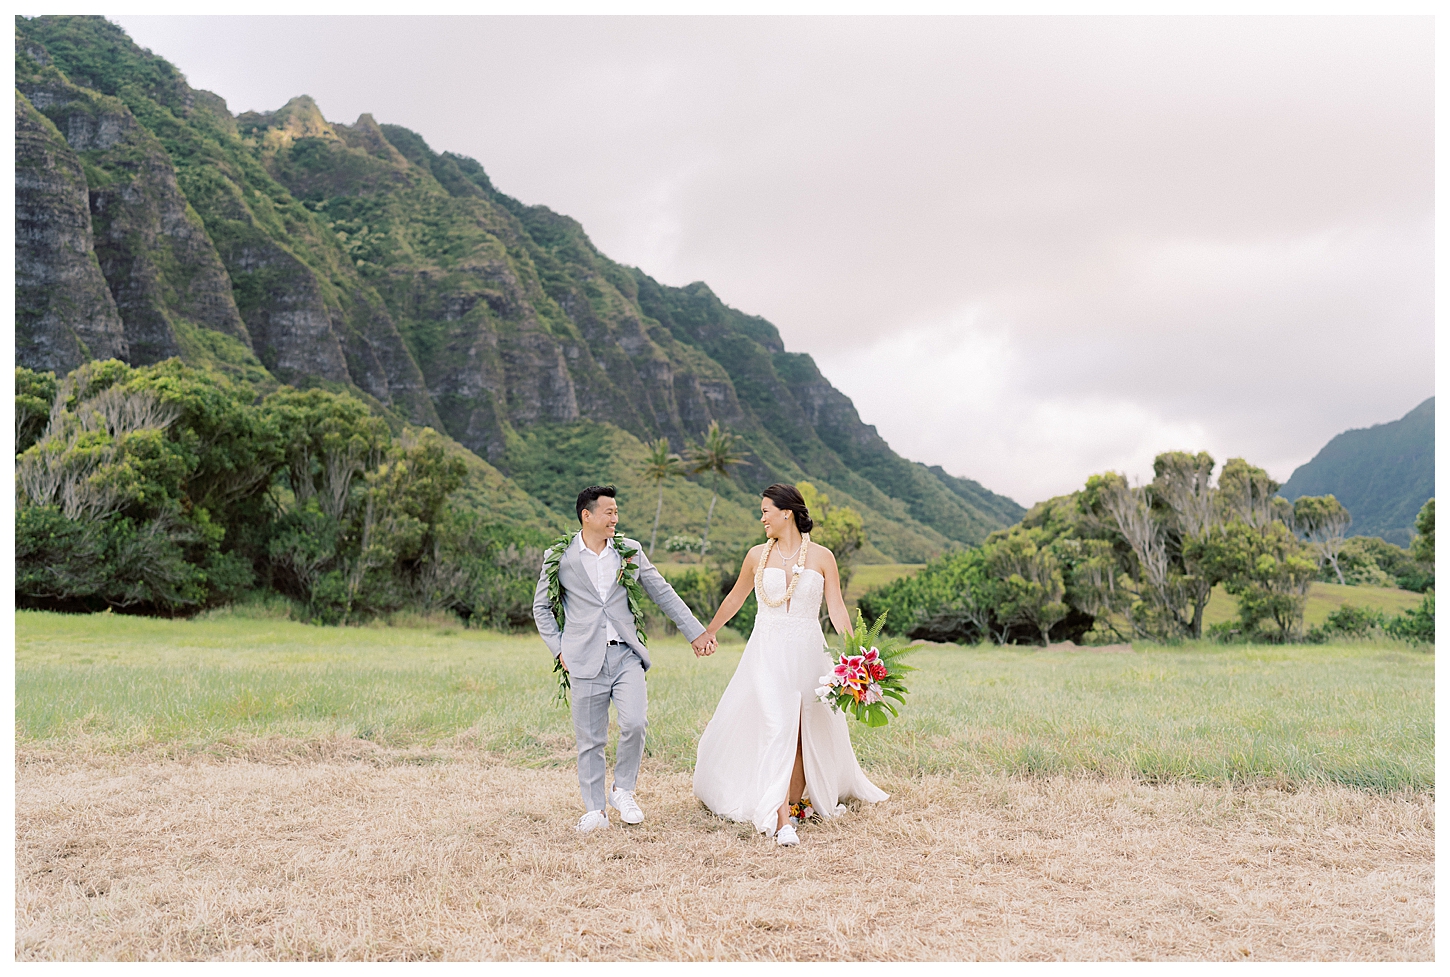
(284, 248)
(1382, 474)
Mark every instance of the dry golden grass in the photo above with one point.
(348, 851)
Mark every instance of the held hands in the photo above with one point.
(704, 644)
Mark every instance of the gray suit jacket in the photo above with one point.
(583, 641)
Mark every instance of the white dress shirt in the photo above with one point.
(603, 569)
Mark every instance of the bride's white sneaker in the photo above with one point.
(623, 802)
(786, 837)
(592, 821)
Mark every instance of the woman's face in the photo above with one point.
(774, 520)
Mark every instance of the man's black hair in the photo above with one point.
(589, 496)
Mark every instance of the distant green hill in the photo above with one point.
(1381, 474)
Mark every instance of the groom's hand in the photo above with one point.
(704, 644)
(560, 660)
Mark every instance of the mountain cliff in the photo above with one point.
(1381, 474)
(284, 248)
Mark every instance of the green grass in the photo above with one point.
(871, 575)
(1323, 599)
(1361, 715)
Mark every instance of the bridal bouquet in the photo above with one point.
(866, 674)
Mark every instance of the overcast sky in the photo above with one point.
(1029, 249)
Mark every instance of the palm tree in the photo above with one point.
(715, 456)
(659, 466)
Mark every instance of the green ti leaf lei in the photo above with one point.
(628, 578)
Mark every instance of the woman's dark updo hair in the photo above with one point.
(789, 497)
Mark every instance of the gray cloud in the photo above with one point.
(1028, 248)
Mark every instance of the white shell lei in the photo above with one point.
(800, 564)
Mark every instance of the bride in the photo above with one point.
(770, 740)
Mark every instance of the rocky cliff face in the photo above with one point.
(64, 313)
(303, 310)
(153, 249)
(358, 255)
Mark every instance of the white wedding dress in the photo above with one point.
(747, 752)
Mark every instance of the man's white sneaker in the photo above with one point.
(623, 802)
(591, 822)
(786, 837)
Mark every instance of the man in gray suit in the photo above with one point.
(602, 654)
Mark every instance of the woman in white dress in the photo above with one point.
(770, 739)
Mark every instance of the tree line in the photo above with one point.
(168, 488)
(1124, 562)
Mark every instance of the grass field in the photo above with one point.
(1323, 599)
(356, 857)
(864, 578)
(242, 788)
(1356, 715)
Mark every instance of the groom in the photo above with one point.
(604, 657)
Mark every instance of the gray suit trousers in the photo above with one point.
(621, 680)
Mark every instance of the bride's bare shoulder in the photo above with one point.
(823, 553)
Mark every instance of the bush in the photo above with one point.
(1349, 621)
(699, 588)
(1370, 561)
(1228, 632)
(1416, 624)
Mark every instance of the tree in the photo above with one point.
(330, 440)
(952, 599)
(1247, 493)
(1321, 520)
(1422, 547)
(838, 528)
(126, 494)
(659, 466)
(1182, 484)
(1093, 580)
(1156, 612)
(1030, 586)
(716, 455)
(34, 395)
(1265, 568)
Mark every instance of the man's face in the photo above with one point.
(604, 516)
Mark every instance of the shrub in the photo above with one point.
(1349, 621)
(1416, 624)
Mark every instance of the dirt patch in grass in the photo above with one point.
(361, 856)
